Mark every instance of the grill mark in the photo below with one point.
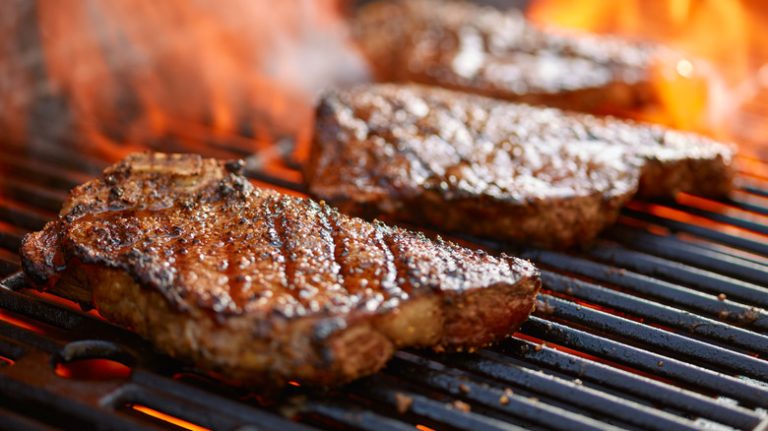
(478, 131)
(434, 178)
(400, 272)
(290, 264)
(389, 282)
(330, 222)
(407, 152)
(277, 237)
(461, 270)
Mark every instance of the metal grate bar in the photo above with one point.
(573, 392)
(354, 417)
(616, 392)
(275, 180)
(206, 402)
(14, 391)
(41, 173)
(724, 238)
(21, 335)
(746, 205)
(673, 317)
(24, 217)
(59, 154)
(680, 273)
(8, 263)
(386, 391)
(44, 312)
(431, 374)
(10, 237)
(692, 254)
(626, 383)
(755, 190)
(684, 297)
(36, 196)
(647, 361)
(722, 218)
(569, 393)
(668, 342)
(12, 421)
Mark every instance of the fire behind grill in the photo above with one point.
(661, 326)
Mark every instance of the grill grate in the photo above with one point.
(660, 326)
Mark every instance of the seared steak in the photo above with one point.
(497, 53)
(497, 169)
(258, 286)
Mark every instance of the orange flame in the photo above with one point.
(718, 86)
(127, 74)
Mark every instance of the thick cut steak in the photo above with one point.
(483, 50)
(497, 169)
(258, 286)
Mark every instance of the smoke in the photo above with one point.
(129, 70)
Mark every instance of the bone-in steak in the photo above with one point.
(259, 286)
(497, 169)
(483, 50)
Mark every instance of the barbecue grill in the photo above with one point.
(662, 325)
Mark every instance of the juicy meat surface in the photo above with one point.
(497, 169)
(258, 286)
(497, 53)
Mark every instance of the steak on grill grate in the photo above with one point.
(262, 287)
(482, 50)
(497, 169)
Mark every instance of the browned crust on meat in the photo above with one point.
(563, 223)
(707, 177)
(482, 50)
(496, 169)
(230, 348)
(365, 305)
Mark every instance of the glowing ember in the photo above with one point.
(21, 323)
(92, 369)
(167, 418)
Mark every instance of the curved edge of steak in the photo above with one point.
(258, 287)
(499, 53)
(497, 169)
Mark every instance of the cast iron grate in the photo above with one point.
(663, 325)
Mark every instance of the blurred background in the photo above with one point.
(115, 76)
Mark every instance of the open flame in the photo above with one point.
(123, 74)
(716, 89)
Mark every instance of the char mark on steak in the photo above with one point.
(497, 169)
(261, 287)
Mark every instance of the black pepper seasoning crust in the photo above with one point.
(497, 169)
(262, 287)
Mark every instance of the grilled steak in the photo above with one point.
(497, 169)
(483, 50)
(258, 286)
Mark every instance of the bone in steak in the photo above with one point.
(258, 286)
(497, 53)
(497, 169)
